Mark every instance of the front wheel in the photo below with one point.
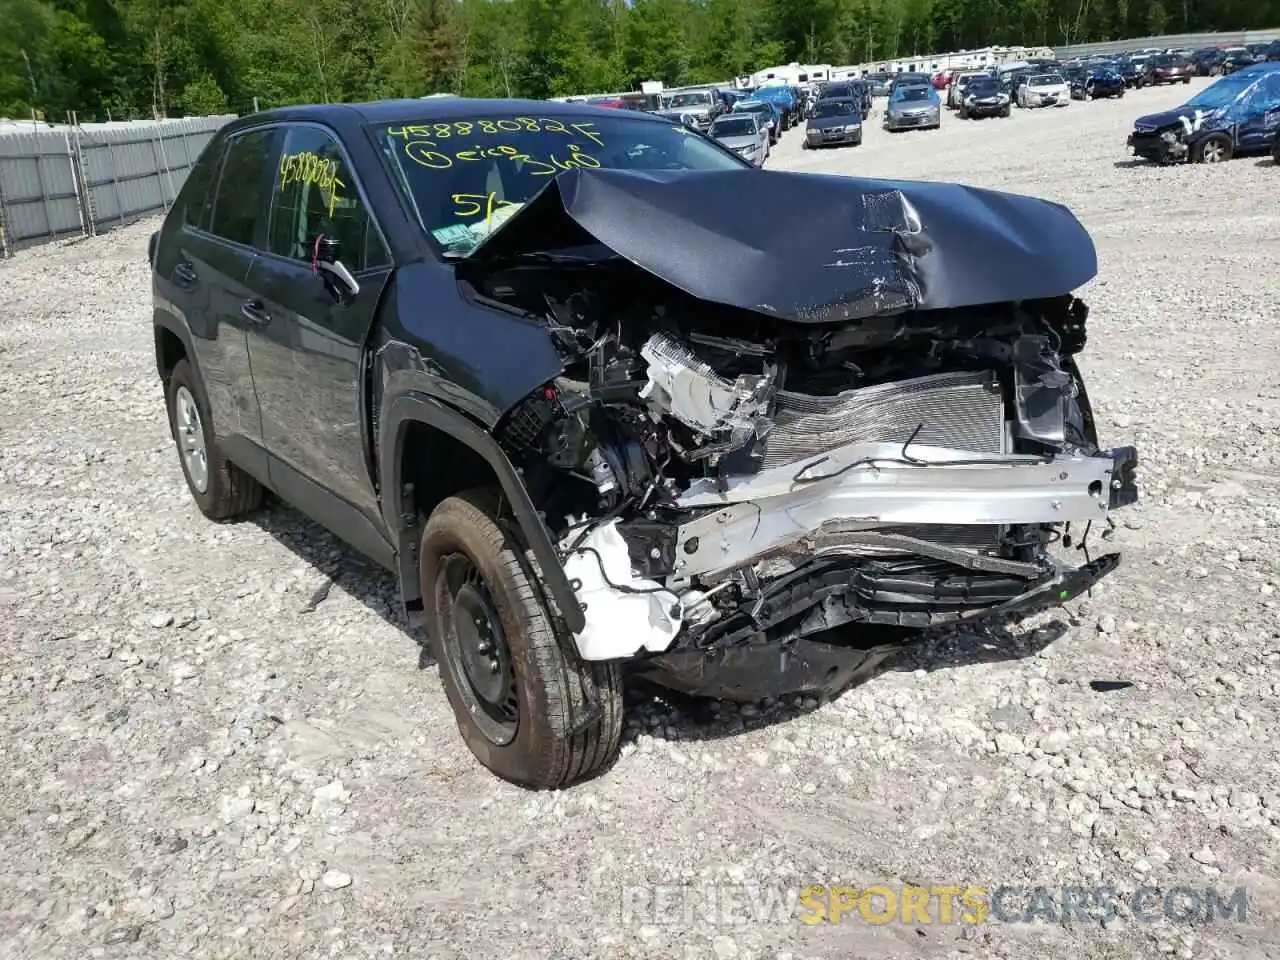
(1005, 111)
(1214, 148)
(527, 706)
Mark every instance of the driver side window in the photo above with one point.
(315, 194)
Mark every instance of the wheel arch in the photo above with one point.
(418, 434)
(172, 345)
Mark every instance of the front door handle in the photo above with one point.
(255, 312)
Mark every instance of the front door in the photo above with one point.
(308, 345)
(1260, 116)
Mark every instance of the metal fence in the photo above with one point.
(1168, 42)
(63, 181)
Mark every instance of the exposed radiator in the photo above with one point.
(961, 410)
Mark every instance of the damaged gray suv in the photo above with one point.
(595, 412)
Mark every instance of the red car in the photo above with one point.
(1168, 69)
(942, 80)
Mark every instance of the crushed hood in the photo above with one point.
(1189, 118)
(810, 247)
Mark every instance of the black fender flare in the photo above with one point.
(420, 408)
(169, 323)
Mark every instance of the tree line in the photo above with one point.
(118, 59)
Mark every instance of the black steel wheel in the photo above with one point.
(474, 642)
(528, 707)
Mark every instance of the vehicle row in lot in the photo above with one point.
(1237, 113)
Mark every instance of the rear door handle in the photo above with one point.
(255, 312)
(185, 274)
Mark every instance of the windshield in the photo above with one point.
(983, 88)
(1223, 93)
(699, 99)
(912, 93)
(467, 175)
(754, 107)
(1045, 79)
(835, 108)
(733, 127)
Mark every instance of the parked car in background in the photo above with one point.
(1013, 81)
(1207, 61)
(1237, 113)
(879, 83)
(768, 113)
(834, 123)
(983, 98)
(913, 108)
(1092, 82)
(1044, 90)
(908, 79)
(955, 96)
(701, 105)
(1168, 69)
(942, 79)
(858, 90)
(1131, 72)
(785, 100)
(743, 134)
(1237, 58)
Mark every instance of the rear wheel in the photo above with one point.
(220, 489)
(513, 679)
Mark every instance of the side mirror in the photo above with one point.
(326, 249)
(327, 261)
(338, 274)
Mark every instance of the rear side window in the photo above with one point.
(315, 194)
(196, 197)
(242, 193)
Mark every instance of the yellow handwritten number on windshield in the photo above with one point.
(477, 204)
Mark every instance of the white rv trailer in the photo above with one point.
(791, 74)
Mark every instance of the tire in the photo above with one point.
(1186, 79)
(546, 685)
(1215, 148)
(227, 491)
(1005, 111)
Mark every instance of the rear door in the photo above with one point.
(207, 268)
(307, 351)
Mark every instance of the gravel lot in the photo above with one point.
(220, 741)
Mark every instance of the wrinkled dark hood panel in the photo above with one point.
(1154, 121)
(810, 247)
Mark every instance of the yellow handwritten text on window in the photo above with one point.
(309, 168)
(436, 156)
(493, 126)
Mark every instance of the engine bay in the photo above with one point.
(714, 475)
